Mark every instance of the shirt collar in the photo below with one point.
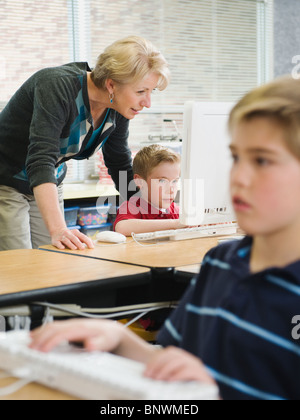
(150, 209)
(241, 257)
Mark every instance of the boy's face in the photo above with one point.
(265, 178)
(161, 186)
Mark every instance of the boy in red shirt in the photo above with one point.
(156, 173)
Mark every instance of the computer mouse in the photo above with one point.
(112, 237)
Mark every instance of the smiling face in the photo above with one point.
(265, 178)
(131, 99)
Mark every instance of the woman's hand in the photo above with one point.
(173, 364)
(46, 196)
(72, 239)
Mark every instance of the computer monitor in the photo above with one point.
(206, 162)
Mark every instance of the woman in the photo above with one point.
(69, 112)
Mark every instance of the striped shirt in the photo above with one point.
(240, 324)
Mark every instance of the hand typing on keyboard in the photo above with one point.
(94, 335)
(170, 374)
(173, 364)
(169, 364)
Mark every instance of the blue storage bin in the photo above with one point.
(71, 215)
(75, 227)
(92, 231)
(93, 216)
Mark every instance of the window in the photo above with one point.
(217, 49)
(34, 35)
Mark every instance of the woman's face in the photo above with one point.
(130, 99)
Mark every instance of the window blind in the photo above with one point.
(34, 34)
(217, 49)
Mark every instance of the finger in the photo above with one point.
(49, 336)
(77, 239)
(94, 334)
(99, 343)
(192, 373)
(168, 370)
(181, 370)
(177, 365)
(156, 364)
(71, 242)
(169, 361)
(63, 242)
(58, 245)
(84, 239)
(42, 338)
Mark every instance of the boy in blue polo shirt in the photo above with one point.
(235, 324)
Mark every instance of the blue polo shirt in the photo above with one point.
(240, 324)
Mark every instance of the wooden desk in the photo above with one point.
(161, 255)
(28, 275)
(189, 269)
(33, 391)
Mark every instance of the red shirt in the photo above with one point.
(139, 209)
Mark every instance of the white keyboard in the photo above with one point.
(189, 233)
(93, 376)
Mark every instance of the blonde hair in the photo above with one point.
(130, 60)
(279, 101)
(150, 157)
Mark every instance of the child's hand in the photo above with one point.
(94, 334)
(174, 364)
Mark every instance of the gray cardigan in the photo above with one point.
(48, 122)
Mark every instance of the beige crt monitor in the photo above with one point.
(206, 163)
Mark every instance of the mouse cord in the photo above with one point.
(16, 386)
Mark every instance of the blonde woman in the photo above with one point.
(69, 112)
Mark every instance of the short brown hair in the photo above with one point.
(150, 157)
(279, 101)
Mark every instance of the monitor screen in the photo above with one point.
(206, 162)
